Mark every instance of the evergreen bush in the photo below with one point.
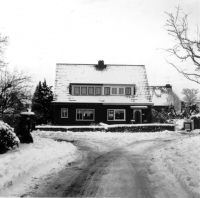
(8, 139)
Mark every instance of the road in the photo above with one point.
(115, 171)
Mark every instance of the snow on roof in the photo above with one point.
(112, 74)
(161, 96)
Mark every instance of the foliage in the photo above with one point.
(190, 95)
(188, 110)
(8, 139)
(185, 47)
(162, 115)
(41, 103)
(15, 91)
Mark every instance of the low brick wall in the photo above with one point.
(137, 128)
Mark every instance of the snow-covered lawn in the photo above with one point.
(28, 158)
(180, 158)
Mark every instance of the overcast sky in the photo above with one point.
(45, 32)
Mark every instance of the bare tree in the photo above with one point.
(186, 48)
(15, 90)
(190, 95)
(3, 43)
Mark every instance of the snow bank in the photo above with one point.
(8, 139)
(182, 159)
(30, 157)
(196, 115)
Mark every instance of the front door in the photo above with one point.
(137, 115)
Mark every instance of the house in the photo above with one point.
(198, 104)
(92, 93)
(162, 97)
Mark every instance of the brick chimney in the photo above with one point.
(100, 66)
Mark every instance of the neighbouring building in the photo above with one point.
(92, 93)
(162, 97)
(198, 104)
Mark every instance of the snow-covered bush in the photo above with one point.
(8, 139)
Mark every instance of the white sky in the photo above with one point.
(45, 32)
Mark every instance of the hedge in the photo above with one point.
(112, 128)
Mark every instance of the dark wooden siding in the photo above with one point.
(100, 114)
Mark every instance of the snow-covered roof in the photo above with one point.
(161, 96)
(112, 74)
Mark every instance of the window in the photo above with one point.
(121, 91)
(76, 90)
(85, 114)
(90, 90)
(114, 90)
(110, 114)
(116, 115)
(83, 90)
(128, 90)
(97, 90)
(64, 113)
(106, 90)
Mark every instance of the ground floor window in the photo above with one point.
(64, 113)
(116, 115)
(85, 114)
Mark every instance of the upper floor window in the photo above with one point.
(121, 91)
(97, 90)
(76, 90)
(90, 90)
(114, 90)
(83, 90)
(106, 90)
(128, 90)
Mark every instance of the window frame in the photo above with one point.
(62, 113)
(123, 88)
(82, 114)
(79, 90)
(114, 110)
(108, 89)
(116, 88)
(86, 91)
(130, 91)
(93, 91)
(100, 91)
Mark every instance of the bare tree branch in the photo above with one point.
(15, 88)
(185, 47)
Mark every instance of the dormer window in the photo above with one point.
(114, 91)
(76, 90)
(121, 91)
(106, 90)
(97, 90)
(128, 91)
(83, 90)
(90, 90)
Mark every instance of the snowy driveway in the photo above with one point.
(110, 165)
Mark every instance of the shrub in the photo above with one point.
(8, 139)
(129, 128)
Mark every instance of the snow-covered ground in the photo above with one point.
(41, 156)
(179, 159)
